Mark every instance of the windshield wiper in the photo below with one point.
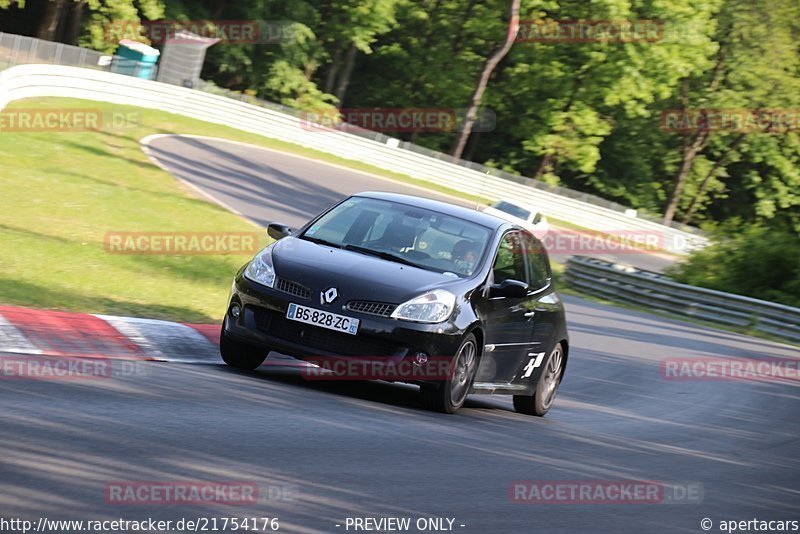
(382, 255)
(320, 241)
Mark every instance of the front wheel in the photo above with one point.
(240, 355)
(545, 393)
(449, 395)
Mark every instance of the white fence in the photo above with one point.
(25, 81)
(23, 50)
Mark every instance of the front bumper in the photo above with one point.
(262, 322)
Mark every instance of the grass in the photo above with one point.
(62, 192)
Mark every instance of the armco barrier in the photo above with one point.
(26, 81)
(655, 291)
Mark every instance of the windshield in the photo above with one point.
(513, 210)
(400, 232)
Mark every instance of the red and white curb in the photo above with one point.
(54, 333)
(81, 335)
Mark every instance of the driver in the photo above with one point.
(464, 256)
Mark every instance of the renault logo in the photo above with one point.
(328, 296)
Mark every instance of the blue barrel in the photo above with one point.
(135, 59)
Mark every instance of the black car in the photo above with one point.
(410, 282)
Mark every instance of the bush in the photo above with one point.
(758, 262)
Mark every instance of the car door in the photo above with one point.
(544, 306)
(509, 321)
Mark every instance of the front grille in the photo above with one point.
(293, 288)
(369, 307)
(314, 337)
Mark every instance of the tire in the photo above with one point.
(546, 389)
(240, 355)
(449, 395)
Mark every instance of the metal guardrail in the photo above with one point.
(654, 290)
(26, 81)
(23, 50)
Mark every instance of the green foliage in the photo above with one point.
(756, 67)
(586, 115)
(755, 261)
(105, 14)
(290, 87)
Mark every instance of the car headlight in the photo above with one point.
(432, 307)
(260, 268)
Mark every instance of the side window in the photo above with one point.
(510, 262)
(538, 264)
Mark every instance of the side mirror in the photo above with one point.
(278, 231)
(537, 218)
(509, 288)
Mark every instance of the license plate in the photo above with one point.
(323, 319)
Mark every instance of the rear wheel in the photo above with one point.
(449, 395)
(240, 355)
(545, 393)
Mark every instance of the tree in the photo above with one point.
(483, 80)
(84, 22)
(755, 67)
(347, 29)
(53, 12)
(557, 102)
(105, 14)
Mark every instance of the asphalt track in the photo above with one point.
(321, 452)
(268, 186)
